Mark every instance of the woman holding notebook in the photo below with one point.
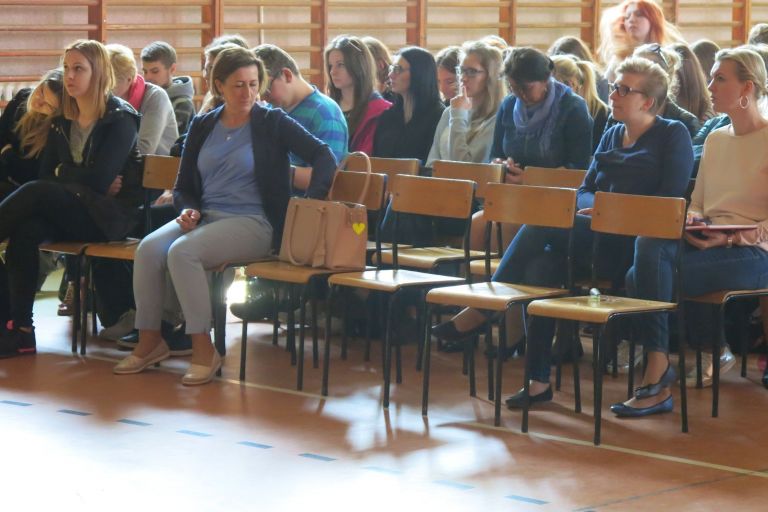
(731, 190)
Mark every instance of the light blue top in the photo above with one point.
(226, 166)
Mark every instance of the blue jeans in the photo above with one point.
(537, 256)
(703, 271)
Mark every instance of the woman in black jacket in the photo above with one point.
(407, 128)
(89, 146)
(24, 128)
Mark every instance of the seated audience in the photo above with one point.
(158, 130)
(643, 154)
(447, 61)
(232, 191)
(351, 83)
(569, 45)
(579, 75)
(406, 129)
(731, 188)
(465, 130)
(89, 146)
(158, 65)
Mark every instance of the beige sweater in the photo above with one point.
(732, 184)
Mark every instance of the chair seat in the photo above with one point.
(491, 296)
(391, 280)
(427, 257)
(64, 247)
(579, 308)
(236, 264)
(285, 272)
(385, 246)
(477, 267)
(121, 250)
(721, 296)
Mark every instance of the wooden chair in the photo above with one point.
(428, 258)
(389, 166)
(413, 195)
(721, 299)
(347, 187)
(629, 215)
(553, 177)
(512, 204)
(159, 174)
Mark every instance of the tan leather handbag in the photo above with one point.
(327, 234)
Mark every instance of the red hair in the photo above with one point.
(652, 12)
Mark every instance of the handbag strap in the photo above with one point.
(318, 231)
(343, 165)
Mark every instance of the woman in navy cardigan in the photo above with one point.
(232, 192)
(645, 155)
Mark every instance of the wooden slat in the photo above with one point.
(62, 3)
(157, 26)
(157, 3)
(47, 28)
(272, 26)
(273, 3)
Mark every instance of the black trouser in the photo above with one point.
(113, 279)
(39, 211)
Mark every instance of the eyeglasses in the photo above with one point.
(622, 90)
(656, 48)
(468, 72)
(396, 69)
(271, 81)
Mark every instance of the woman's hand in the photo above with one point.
(708, 239)
(513, 173)
(461, 101)
(115, 187)
(165, 198)
(586, 211)
(695, 219)
(188, 219)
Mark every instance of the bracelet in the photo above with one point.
(729, 242)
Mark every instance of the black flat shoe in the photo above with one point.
(624, 411)
(519, 399)
(447, 331)
(667, 378)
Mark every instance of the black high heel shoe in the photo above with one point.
(667, 378)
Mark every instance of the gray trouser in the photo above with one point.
(219, 238)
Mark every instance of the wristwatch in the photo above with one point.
(729, 242)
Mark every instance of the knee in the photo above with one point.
(180, 254)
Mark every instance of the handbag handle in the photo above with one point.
(318, 231)
(343, 165)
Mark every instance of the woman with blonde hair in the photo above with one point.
(89, 145)
(579, 75)
(731, 188)
(158, 129)
(465, 130)
(351, 73)
(628, 25)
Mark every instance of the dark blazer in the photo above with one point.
(13, 166)
(396, 139)
(109, 151)
(274, 134)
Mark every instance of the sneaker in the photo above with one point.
(622, 356)
(727, 361)
(123, 326)
(16, 342)
(67, 306)
(129, 341)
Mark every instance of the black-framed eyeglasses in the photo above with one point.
(396, 69)
(468, 72)
(622, 90)
(271, 81)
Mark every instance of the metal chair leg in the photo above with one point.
(302, 321)
(243, 349)
(426, 365)
(388, 349)
(327, 341)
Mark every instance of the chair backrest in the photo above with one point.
(553, 177)
(347, 186)
(481, 174)
(389, 166)
(537, 206)
(433, 196)
(633, 215)
(160, 171)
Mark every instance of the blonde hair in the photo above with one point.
(123, 63)
(33, 126)
(491, 59)
(583, 75)
(102, 78)
(749, 67)
(655, 79)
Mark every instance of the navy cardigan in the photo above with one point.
(274, 134)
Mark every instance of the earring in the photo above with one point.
(742, 104)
